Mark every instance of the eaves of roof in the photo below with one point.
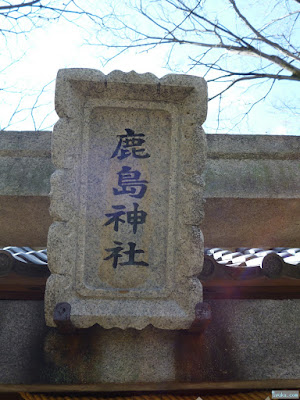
(243, 273)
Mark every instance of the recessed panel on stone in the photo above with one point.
(125, 246)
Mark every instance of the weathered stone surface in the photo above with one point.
(257, 173)
(22, 331)
(25, 163)
(126, 198)
(97, 355)
(247, 340)
(252, 191)
(232, 222)
(25, 169)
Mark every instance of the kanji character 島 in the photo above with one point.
(130, 183)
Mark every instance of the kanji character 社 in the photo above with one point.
(115, 255)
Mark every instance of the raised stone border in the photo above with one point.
(165, 293)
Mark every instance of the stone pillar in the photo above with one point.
(125, 246)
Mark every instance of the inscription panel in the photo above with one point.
(125, 247)
(127, 199)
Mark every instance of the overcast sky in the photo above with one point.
(30, 82)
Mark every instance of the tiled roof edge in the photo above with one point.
(251, 264)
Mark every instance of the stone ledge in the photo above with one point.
(249, 180)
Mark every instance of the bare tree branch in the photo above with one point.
(13, 6)
(260, 36)
(226, 45)
(210, 40)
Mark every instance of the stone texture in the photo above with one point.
(126, 199)
(252, 191)
(25, 169)
(268, 164)
(247, 340)
(25, 163)
(22, 331)
(232, 222)
(111, 356)
(253, 167)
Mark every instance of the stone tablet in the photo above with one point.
(125, 247)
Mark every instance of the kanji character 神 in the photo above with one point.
(134, 217)
(115, 217)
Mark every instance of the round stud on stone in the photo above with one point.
(208, 268)
(272, 265)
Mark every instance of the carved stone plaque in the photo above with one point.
(125, 246)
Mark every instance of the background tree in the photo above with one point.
(21, 20)
(232, 43)
(247, 51)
